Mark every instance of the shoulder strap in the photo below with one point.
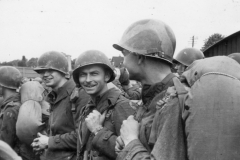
(181, 91)
(168, 78)
(139, 113)
(73, 98)
(111, 108)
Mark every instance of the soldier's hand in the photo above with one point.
(36, 148)
(117, 73)
(129, 130)
(40, 143)
(119, 145)
(95, 120)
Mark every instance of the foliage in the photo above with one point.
(211, 40)
(32, 62)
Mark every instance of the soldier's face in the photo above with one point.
(180, 68)
(93, 79)
(51, 78)
(130, 62)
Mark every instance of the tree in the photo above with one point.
(11, 63)
(32, 62)
(211, 40)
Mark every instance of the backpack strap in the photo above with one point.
(139, 113)
(168, 78)
(181, 91)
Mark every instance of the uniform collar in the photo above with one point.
(13, 98)
(62, 92)
(150, 91)
(107, 99)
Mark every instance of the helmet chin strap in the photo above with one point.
(68, 76)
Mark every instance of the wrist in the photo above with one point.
(97, 129)
(126, 142)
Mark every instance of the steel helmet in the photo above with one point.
(235, 56)
(149, 37)
(10, 77)
(188, 55)
(52, 60)
(92, 57)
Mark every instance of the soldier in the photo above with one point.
(131, 92)
(101, 119)
(116, 81)
(186, 57)
(10, 81)
(61, 142)
(148, 47)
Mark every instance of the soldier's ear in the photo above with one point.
(141, 58)
(107, 76)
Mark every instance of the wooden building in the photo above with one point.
(226, 46)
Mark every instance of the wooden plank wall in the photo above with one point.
(225, 47)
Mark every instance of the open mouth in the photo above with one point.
(47, 80)
(90, 86)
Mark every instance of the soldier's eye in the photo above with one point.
(81, 75)
(94, 73)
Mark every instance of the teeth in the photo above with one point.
(90, 86)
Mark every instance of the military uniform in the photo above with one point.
(154, 135)
(101, 146)
(62, 142)
(9, 114)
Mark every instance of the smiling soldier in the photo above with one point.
(60, 144)
(101, 119)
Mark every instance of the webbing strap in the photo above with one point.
(181, 91)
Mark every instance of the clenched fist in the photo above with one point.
(95, 120)
(129, 130)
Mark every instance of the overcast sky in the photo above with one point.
(32, 27)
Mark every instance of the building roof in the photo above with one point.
(230, 36)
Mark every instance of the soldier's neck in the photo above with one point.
(95, 97)
(8, 93)
(60, 84)
(153, 74)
